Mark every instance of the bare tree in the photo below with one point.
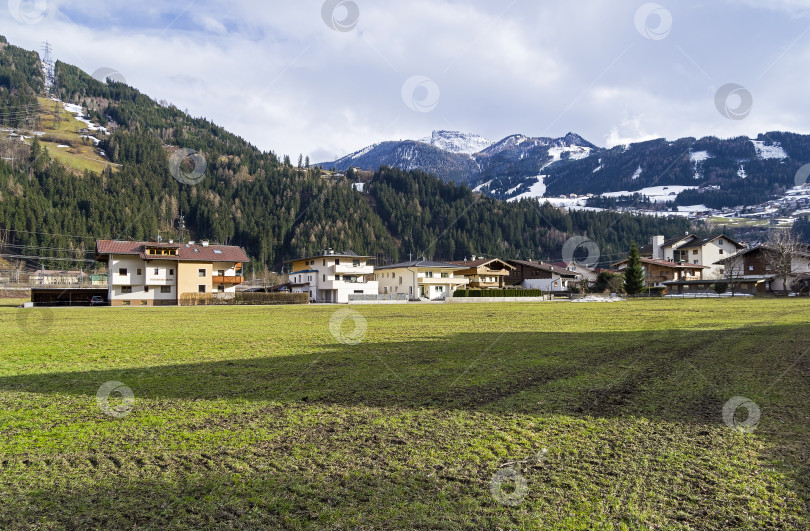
(733, 270)
(780, 252)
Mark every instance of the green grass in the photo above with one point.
(81, 155)
(257, 417)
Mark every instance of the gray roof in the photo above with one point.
(326, 254)
(421, 263)
(702, 241)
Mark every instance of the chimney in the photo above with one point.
(191, 242)
(657, 243)
(205, 243)
(171, 241)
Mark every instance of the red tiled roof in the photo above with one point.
(186, 252)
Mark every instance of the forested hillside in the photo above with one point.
(248, 197)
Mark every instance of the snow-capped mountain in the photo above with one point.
(457, 142)
(452, 156)
(688, 171)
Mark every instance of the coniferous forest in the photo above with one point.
(256, 199)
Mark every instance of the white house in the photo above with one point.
(332, 276)
(421, 279)
(690, 249)
(156, 274)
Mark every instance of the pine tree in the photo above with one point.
(633, 274)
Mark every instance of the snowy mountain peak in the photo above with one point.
(457, 142)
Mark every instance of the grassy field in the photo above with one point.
(80, 154)
(560, 415)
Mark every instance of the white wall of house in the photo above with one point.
(333, 278)
(132, 279)
(432, 283)
(546, 284)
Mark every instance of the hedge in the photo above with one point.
(513, 292)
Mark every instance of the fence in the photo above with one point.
(378, 297)
(242, 298)
(498, 293)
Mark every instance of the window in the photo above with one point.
(139, 272)
(721, 251)
(400, 280)
(768, 267)
(694, 251)
(201, 288)
(385, 290)
(445, 275)
(337, 261)
(146, 289)
(123, 271)
(356, 263)
(720, 242)
(221, 272)
(171, 272)
(324, 278)
(750, 268)
(165, 289)
(428, 274)
(126, 289)
(324, 261)
(337, 277)
(217, 251)
(125, 303)
(695, 262)
(201, 272)
(220, 288)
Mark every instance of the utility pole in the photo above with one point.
(181, 225)
(48, 67)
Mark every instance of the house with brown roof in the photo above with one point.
(541, 275)
(752, 270)
(691, 249)
(484, 273)
(660, 273)
(155, 273)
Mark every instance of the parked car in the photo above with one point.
(97, 300)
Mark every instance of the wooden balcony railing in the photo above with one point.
(219, 279)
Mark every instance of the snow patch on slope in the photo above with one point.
(538, 190)
(457, 142)
(657, 194)
(774, 151)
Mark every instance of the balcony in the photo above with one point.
(349, 269)
(221, 279)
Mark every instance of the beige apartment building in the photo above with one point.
(158, 274)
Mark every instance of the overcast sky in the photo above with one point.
(327, 78)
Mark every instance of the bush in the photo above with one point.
(720, 287)
(510, 292)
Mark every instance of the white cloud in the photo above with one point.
(275, 74)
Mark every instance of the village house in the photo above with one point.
(752, 271)
(155, 274)
(691, 249)
(484, 273)
(421, 279)
(331, 276)
(540, 275)
(663, 273)
(583, 271)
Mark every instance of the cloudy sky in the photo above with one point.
(327, 78)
